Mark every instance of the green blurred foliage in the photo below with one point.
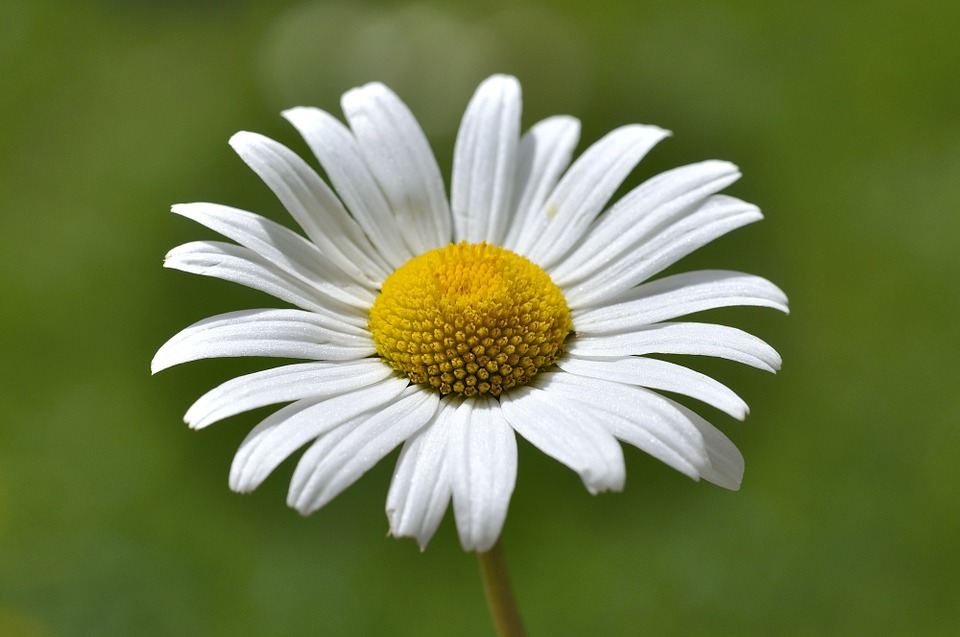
(115, 519)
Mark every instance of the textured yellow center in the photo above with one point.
(469, 319)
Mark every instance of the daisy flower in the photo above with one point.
(523, 304)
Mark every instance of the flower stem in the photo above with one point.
(496, 585)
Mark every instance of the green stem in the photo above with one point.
(496, 585)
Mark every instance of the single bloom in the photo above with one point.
(523, 304)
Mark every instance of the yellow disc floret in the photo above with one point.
(469, 319)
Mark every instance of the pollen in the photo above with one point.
(470, 318)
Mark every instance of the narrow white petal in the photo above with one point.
(725, 467)
(337, 459)
(273, 440)
(339, 153)
(482, 456)
(643, 212)
(285, 249)
(420, 489)
(275, 333)
(662, 375)
(584, 190)
(311, 202)
(639, 417)
(551, 422)
(716, 217)
(702, 339)
(544, 153)
(399, 156)
(484, 161)
(678, 295)
(241, 265)
(316, 380)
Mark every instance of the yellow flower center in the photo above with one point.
(470, 319)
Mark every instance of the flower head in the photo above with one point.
(523, 305)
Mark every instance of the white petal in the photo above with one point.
(313, 205)
(662, 375)
(657, 425)
(340, 457)
(339, 153)
(702, 339)
(639, 417)
(397, 153)
(642, 213)
(317, 380)
(241, 265)
(726, 461)
(678, 295)
(482, 456)
(716, 217)
(276, 333)
(288, 429)
(544, 153)
(552, 423)
(584, 190)
(285, 249)
(420, 489)
(484, 162)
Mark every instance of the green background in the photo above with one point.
(844, 116)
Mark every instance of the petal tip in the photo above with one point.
(295, 111)
(368, 91)
(776, 364)
(239, 487)
(640, 133)
(732, 483)
(295, 500)
(239, 138)
(159, 363)
(194, 421)
(242, 141)
(501, 82)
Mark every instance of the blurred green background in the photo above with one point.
(115, 519)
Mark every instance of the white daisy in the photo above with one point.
(520, 305)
